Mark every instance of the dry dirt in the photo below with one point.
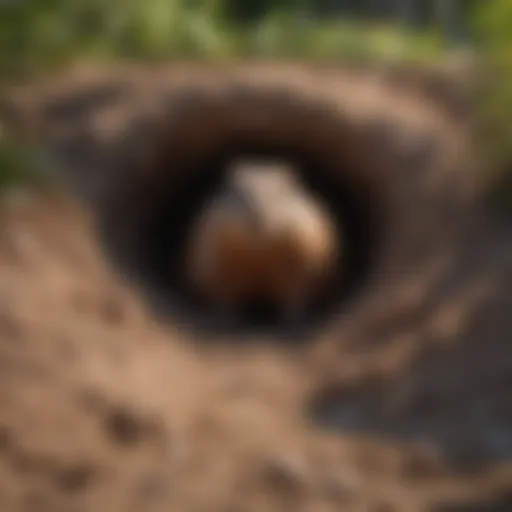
(405, 406)
(103, 410)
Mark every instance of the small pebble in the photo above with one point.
(129, 428)
(286, 474)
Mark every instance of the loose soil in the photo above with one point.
(403, 406)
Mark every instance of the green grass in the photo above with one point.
(20, 165)
(492, 26)
(281, 36)
(38, 36)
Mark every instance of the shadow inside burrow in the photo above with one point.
(148, 213)
(161, 241)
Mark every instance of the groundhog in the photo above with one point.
(264, 237)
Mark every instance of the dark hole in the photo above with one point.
(166, 228)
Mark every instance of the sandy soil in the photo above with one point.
(405, 406)
(103, 410)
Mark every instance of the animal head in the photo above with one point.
(265, 181)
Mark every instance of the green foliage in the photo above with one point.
(281, 35)
(39, 34)
(492, 26)
(18, 165)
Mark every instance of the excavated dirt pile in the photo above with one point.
(398, 400)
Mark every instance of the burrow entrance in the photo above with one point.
(146, 223)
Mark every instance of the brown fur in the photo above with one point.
(263, 236)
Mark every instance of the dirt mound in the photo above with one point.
(144, 148)
(399, 404)
(102, 409)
